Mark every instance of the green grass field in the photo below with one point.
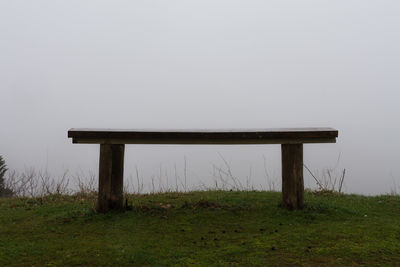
(202, 228)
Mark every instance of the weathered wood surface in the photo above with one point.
(112, 144)
(111, 177)
(292, 176)
(223, 136)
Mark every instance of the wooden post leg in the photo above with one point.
(111, 177)
(292, 176)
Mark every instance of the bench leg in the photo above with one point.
(292, 176)
(111, 177)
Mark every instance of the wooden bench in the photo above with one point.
(112, 146)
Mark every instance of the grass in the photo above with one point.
(215, 228)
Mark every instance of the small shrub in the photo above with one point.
(4, 190)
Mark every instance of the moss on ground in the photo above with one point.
(202, 228)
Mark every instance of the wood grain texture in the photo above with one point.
(111, 174)
(112, 144)
(292, 176)
(223, 136)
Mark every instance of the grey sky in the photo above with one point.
(202, 64)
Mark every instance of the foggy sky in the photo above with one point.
(203, 64)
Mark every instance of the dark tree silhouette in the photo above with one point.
(3, 169)
(4, 192)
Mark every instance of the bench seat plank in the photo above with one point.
(190, 136)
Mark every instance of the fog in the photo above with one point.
(203, 64)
